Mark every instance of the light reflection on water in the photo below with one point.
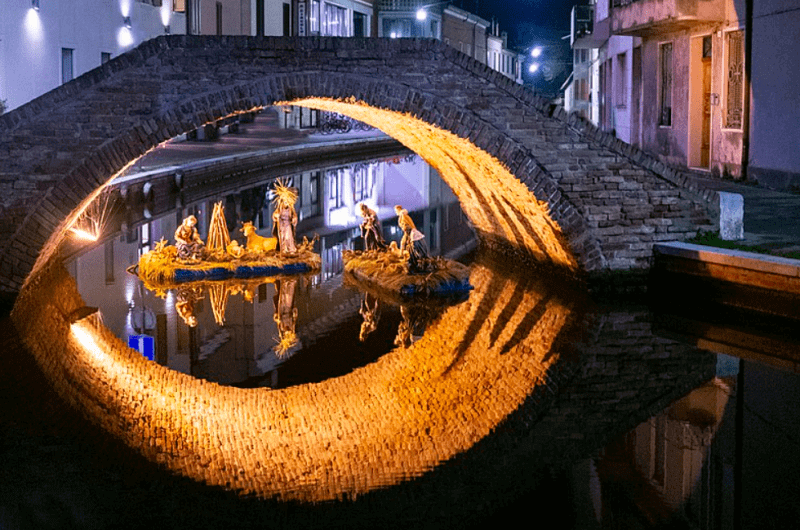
(620, 423)
(240, 333)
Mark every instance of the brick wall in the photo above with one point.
(610, 201)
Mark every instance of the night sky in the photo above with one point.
(532, 23)
(527, 22)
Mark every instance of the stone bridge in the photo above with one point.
(529, 176)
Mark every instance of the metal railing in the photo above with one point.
(400, 5)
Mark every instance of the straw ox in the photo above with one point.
(255, 242)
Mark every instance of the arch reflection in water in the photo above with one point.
(241, 352)
(391, 420)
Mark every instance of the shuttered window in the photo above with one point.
(665, 92)
(734, 105)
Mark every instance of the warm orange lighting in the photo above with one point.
(348, 435)
(83, 234)
(341, 437)
(82, 332)
(495, 201)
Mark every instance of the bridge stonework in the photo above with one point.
(609, 201)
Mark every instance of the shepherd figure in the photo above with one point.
(371, 229)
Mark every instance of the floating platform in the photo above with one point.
(387, 273)
(160, 268)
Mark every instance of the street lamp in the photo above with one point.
(536, 51)
(533, 68)
(422, 13)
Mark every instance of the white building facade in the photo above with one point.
(44, 44)
(338, 18)
(602, 85)
(499, 57)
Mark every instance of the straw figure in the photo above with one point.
(284, 219)
(187, 241)
(285, 315)
(371, 312)
(235, 250)
(218, 236)
(185, 300)
(218, 292)
(256, 243)
(371, 229)
(413, 242)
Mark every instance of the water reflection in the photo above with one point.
(515, 400)
(238, 332)
(523, 398)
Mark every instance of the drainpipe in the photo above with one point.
(189, 16)
(748, 53)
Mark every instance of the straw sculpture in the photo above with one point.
(218, 235)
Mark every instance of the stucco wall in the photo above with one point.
(618, 45)
(674, 144)
(31, 41)
(468, 36)
(668, 143)
(775, 98)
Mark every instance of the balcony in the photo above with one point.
(401, 5)
(585, 32)
(644, 18)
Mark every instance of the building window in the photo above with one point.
(335, 183)
(665, 92)
(734, 104)
(313, 194)
(287, 20)
(359, 24)
(313, 17)
(104, 57)
(334, 21)
(109, 261)
(219, 18)
(66, 64)
(621, 82)
(179, 6)
(259, 18)
(362, 182)
(308, 118)
(581, 87)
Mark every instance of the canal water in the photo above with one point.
(596, 413)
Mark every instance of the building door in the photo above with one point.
(700, 103)
(705, 146)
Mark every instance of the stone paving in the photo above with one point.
(771, 218)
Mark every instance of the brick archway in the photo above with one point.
(568, 193)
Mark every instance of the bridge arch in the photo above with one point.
(525, 175)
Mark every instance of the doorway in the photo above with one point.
(700, 102)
